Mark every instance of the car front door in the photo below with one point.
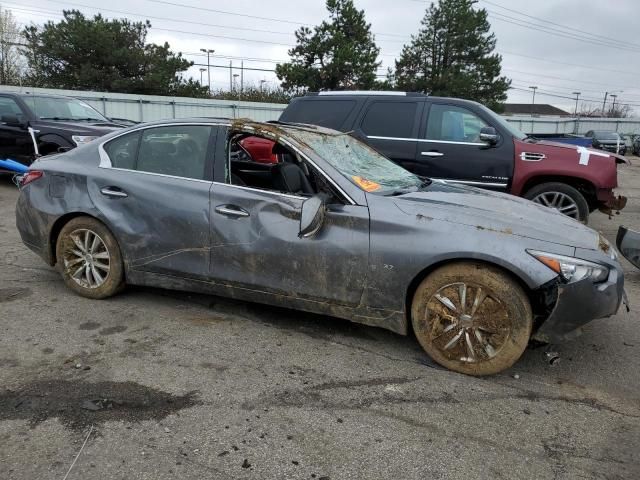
(256, 246)
(153, 190)
(15, 140)
(450, 148)
(391, 127)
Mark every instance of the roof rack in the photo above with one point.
(366, 92)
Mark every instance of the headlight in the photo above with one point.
(572, 269)
(82, 139)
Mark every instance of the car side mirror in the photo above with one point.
(13, 121)
(489, 135)
(312, 216)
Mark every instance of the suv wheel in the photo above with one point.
(472, 318)
(561, 197)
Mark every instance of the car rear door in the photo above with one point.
(390, 125)
(450, 147)
(256, 247)
(153, 190)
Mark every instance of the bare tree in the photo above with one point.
(622, 110)
(11, 61)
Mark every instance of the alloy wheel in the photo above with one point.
(467, 322)
(87, 259)
(562, 202)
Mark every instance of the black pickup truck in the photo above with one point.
(37, 124)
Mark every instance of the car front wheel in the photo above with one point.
(561, 197)
(472, 318)
(89, 258)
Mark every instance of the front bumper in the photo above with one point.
(579, 303)
(609, 201)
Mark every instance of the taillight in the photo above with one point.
(30, 176)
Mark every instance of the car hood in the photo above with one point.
(570, 149)
(97, 128)
(498, 212)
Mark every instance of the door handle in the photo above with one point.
(432, 154)
(231, 211)
(113, 192)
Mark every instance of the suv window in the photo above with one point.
(123, 150)
(180, 151)
(390, 119)
(8, 106)
(453, 124)
(326, 113)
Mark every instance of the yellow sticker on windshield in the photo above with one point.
(366, 185)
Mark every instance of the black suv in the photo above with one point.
(53, 122)
(609, 141)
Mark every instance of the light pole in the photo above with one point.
(208, 51)
(533, 100)
(201, 71)
(577, 94)
(262, 82)
(613, 105)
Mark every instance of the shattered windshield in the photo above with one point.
(362, 165)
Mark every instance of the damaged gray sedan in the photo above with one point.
(312, 219)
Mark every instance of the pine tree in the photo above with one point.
(339, 54)
(453, 55)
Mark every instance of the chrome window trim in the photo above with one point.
(449, 142)
(471, 182)
(287, 143)
(105, 161)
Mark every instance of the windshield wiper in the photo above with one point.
(411, 189)
(89, 119)
(56, 118)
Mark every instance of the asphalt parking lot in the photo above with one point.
(171, 385)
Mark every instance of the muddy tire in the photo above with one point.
(471, 318)
(562, 197)
(89, 259)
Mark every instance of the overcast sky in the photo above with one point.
(601, 54)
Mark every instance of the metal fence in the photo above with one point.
(146, 108)
(576, 126)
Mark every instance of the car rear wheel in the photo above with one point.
(89, 258)
(471, 318)
(561, 197)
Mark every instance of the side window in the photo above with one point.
(8, 106)
(453, 124)
(389, 119)
(123, 150)
(326, 113)
(179, 150)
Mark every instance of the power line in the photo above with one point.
(556, 95)
(608, 85)
(554, 31)
(566, 27)
(255, 17)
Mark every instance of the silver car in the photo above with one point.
(312, 219)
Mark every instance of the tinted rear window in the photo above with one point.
(326, 113)
(389, 119)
